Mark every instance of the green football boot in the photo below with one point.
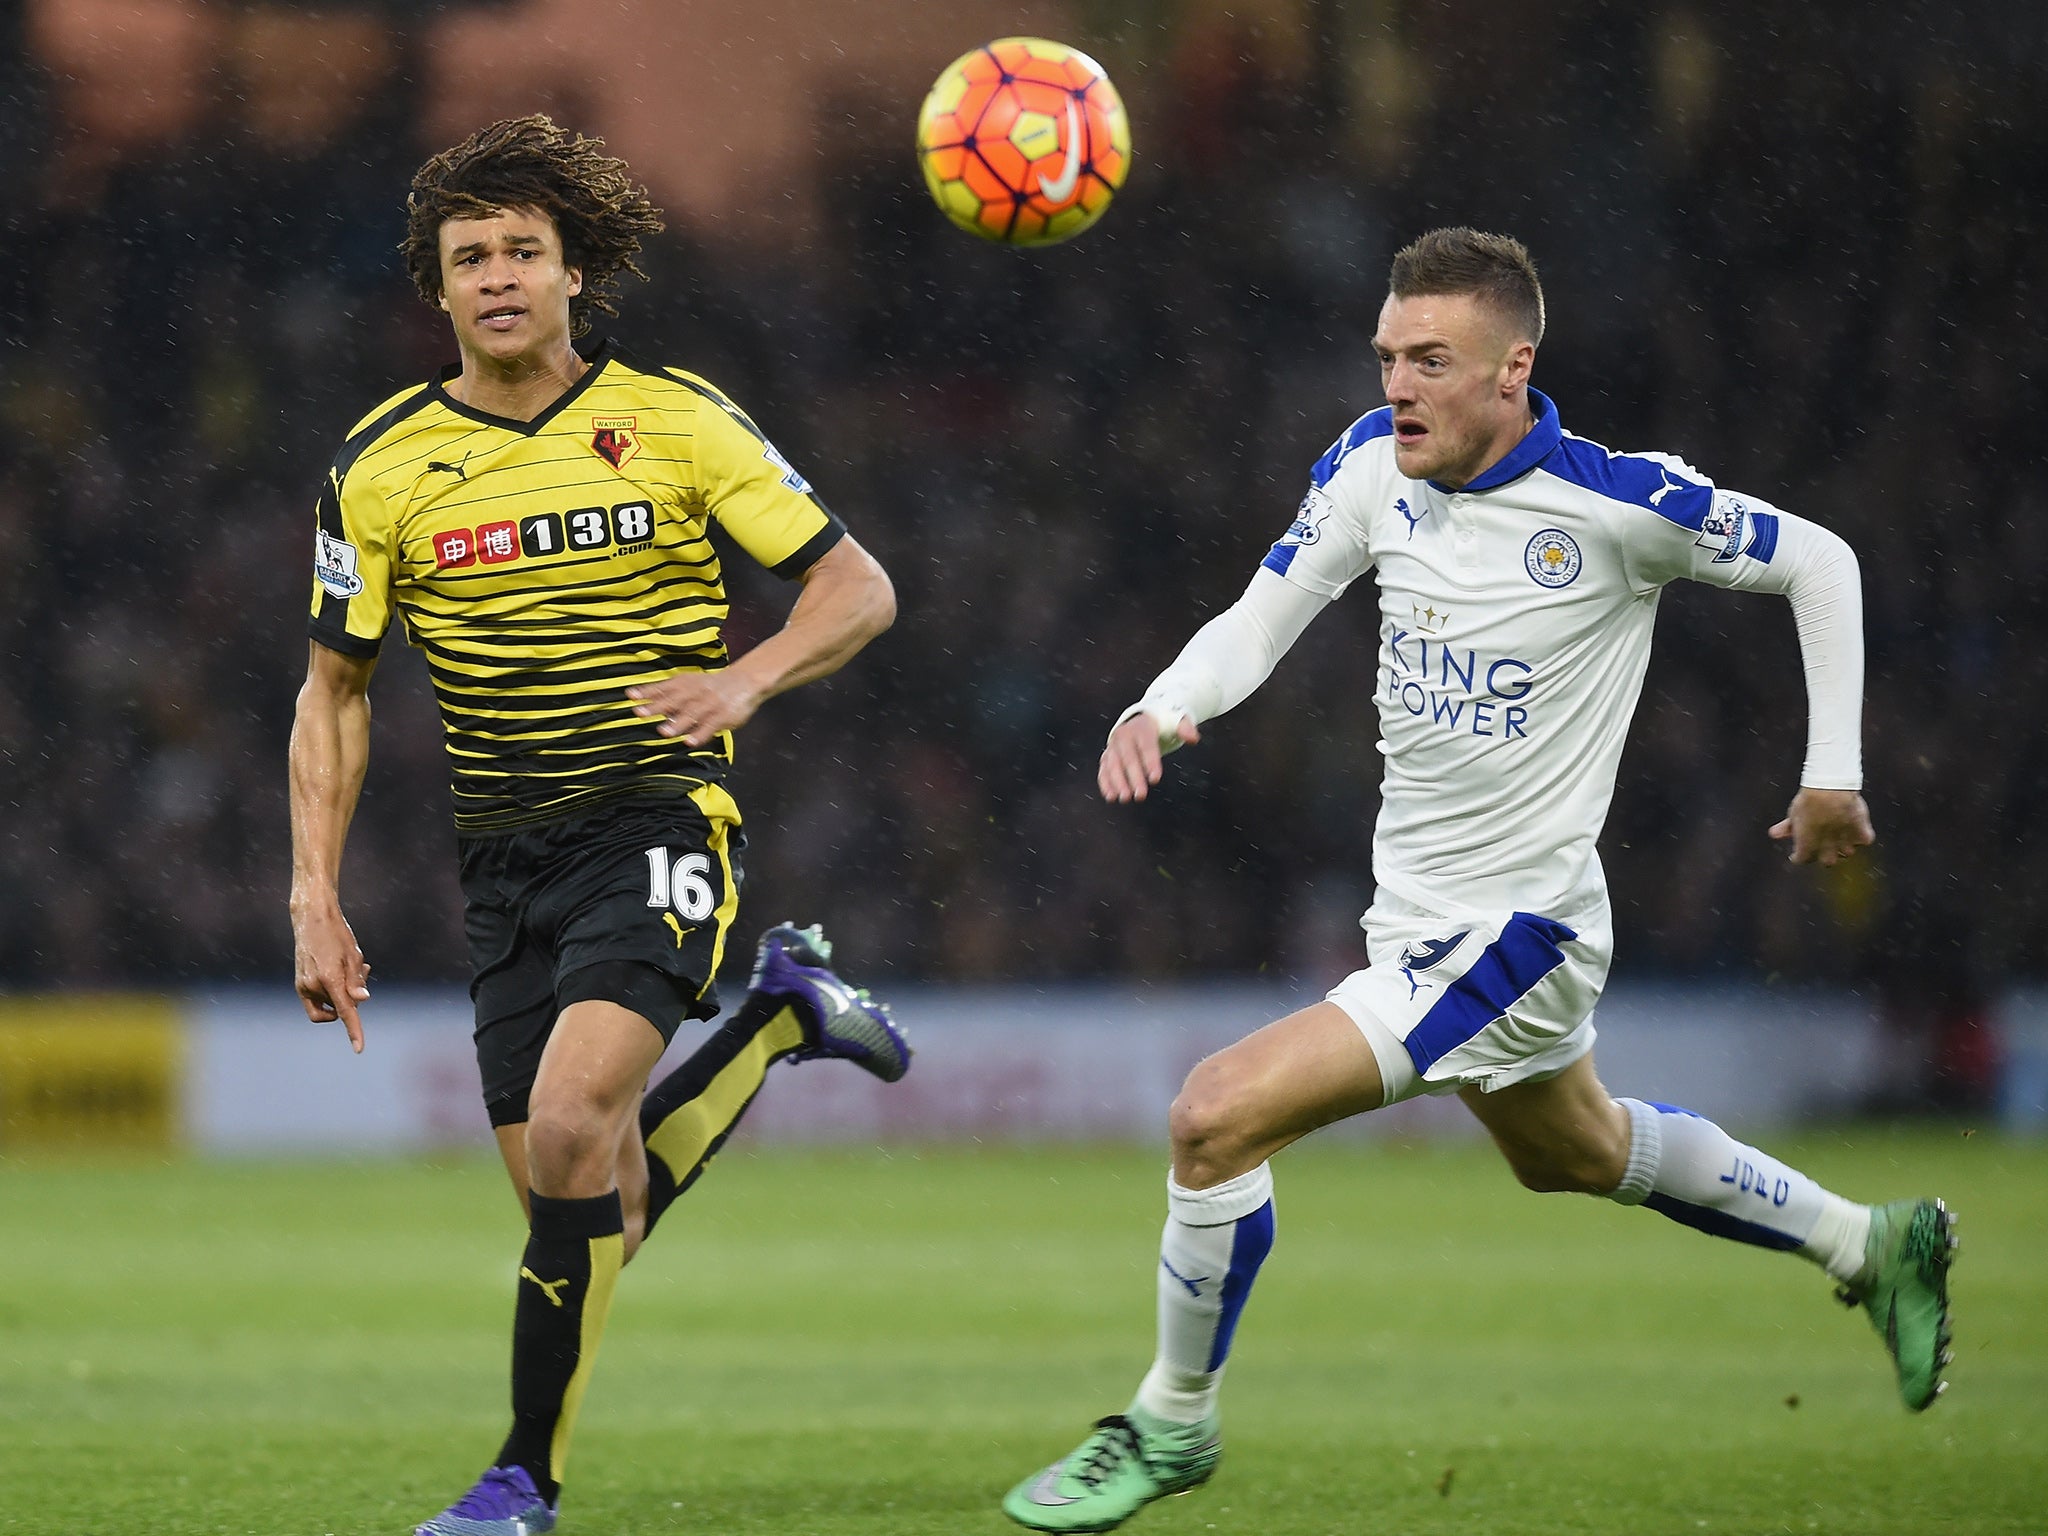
(1128, 1461)
(1904, 1288)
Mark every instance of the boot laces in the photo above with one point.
(1114, 1443)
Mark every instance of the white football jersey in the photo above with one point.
(1515, 623)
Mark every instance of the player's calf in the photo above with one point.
(795, 1009)
(1892, 1260)
(1682, 1165)
(1592, 1166)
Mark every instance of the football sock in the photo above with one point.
(687, 1116)
(573, 1253)
(1684, 1166)
(1214, 1243)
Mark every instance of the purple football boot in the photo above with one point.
(840, 1022)
(504, 1502)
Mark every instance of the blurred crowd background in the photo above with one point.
(1799, 246)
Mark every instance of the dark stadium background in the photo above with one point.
(1800, 246)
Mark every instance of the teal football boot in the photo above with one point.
(1127, 1462)
(1904, 1288)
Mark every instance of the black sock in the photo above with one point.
(573, 1253)
(687, 1116)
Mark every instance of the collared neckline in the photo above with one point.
(1537, 444)
(596, 357)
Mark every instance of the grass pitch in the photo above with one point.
(882, 1343)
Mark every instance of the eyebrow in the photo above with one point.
(477, 245)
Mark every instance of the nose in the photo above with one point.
(1400, 382)
(500, 273)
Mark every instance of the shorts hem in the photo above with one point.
(663, 998)
(1553, 1060)
(1398, 1078)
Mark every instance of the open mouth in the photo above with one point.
(500, 319)
(1407, 432)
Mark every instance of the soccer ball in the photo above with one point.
(1023, 141)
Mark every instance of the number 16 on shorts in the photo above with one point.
(680, 884)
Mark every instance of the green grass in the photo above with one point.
(879, 1343)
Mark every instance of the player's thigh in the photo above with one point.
(1563, 1132)
(595, 1065)
(629, 905)
(586, 1097)
(1278, 1083)
(649, 884)
(512, 982)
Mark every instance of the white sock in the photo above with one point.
(1214, 1243)
(1686, 1167)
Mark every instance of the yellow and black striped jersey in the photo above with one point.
(544, 567)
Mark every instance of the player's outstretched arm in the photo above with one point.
(1218, 669)
(330, 749)
(1817, 571)
(847, 600)
(1827, 825)
(1132, 761)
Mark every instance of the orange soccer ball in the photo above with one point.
(1023, 141)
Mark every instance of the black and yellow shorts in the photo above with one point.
(628, 904)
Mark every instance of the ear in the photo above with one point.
(575, 281)
(1520, 364)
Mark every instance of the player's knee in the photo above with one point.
(569, 1141)
(1207, 1120)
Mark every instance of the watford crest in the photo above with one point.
(614, 439)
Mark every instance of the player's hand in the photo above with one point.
(1132, 763)
(331, 974)
(1825, 824)
(697, 705)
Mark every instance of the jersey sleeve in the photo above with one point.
(1744, 543)
(756, 495)
(1229, 657)
(353, 543)
(1702, 533)
(1325, 549)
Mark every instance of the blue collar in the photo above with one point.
(1538, 444)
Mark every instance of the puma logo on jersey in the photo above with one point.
(681, 931)
(1422, 956)
(548, 1288)
(459, 471)
(1665, 489)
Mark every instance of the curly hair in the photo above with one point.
(531, 163)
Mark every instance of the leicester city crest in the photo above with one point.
(1553, 558)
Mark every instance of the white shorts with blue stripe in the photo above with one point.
(1480, 999)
